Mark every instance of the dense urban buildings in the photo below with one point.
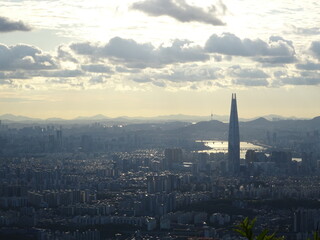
(159, 180)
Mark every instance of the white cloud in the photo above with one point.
(181, 11)
(142, 55)
(98, 79)
(24, 57)
(306, 30)
(189, 74)
(97, 68)
(308, 66)
(64, 73)
(249, 82)
(315, 49)
(307, 81)
(237, 71)
(7, 25)
(278, 50)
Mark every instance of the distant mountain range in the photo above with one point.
(183, 127)
(126, 119)
(255, 129)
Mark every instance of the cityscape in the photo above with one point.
(150, 181)
(159, 119)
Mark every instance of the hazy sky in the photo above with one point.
(62, 58)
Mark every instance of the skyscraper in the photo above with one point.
(233, 139)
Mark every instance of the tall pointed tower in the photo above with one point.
(233, 139)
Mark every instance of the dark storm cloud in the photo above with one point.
(137, 55)
(7, 25)
(181, 11)
(315, 49)
(24, 57)
(97, 68)
(278, 50)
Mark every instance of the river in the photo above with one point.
(222, 146)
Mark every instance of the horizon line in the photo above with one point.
(209, 116)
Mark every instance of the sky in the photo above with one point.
(62, 58)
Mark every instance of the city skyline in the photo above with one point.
(159, 57)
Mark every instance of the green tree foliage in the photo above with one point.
(316, 236)
(246, 227)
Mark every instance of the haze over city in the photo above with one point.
(159, 119)
(159, 57)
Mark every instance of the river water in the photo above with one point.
(222, 146)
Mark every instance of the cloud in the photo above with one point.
(13, 75)
(66, 82)
(276, 60)
(278, 50)
(64, 55)
(98, 79)
(59, 81)
(126, 70)
(5, 81)
(189, 74)
(159, 84)
(142, 55)
(143, 79)
(128, 50)
(315, 49)
(24, 57)
(251, 82)
(302, 78)
(181, 11)
(308, 81)
(306, 31)
(279, 74)
(7, 25)
(308, 66)
(237, 71)
(248, 76)
(97, 68)
(217, 58)
(83, 48)
(65, 73)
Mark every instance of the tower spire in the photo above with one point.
(233, 139)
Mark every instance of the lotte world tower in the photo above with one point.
(233, 166)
